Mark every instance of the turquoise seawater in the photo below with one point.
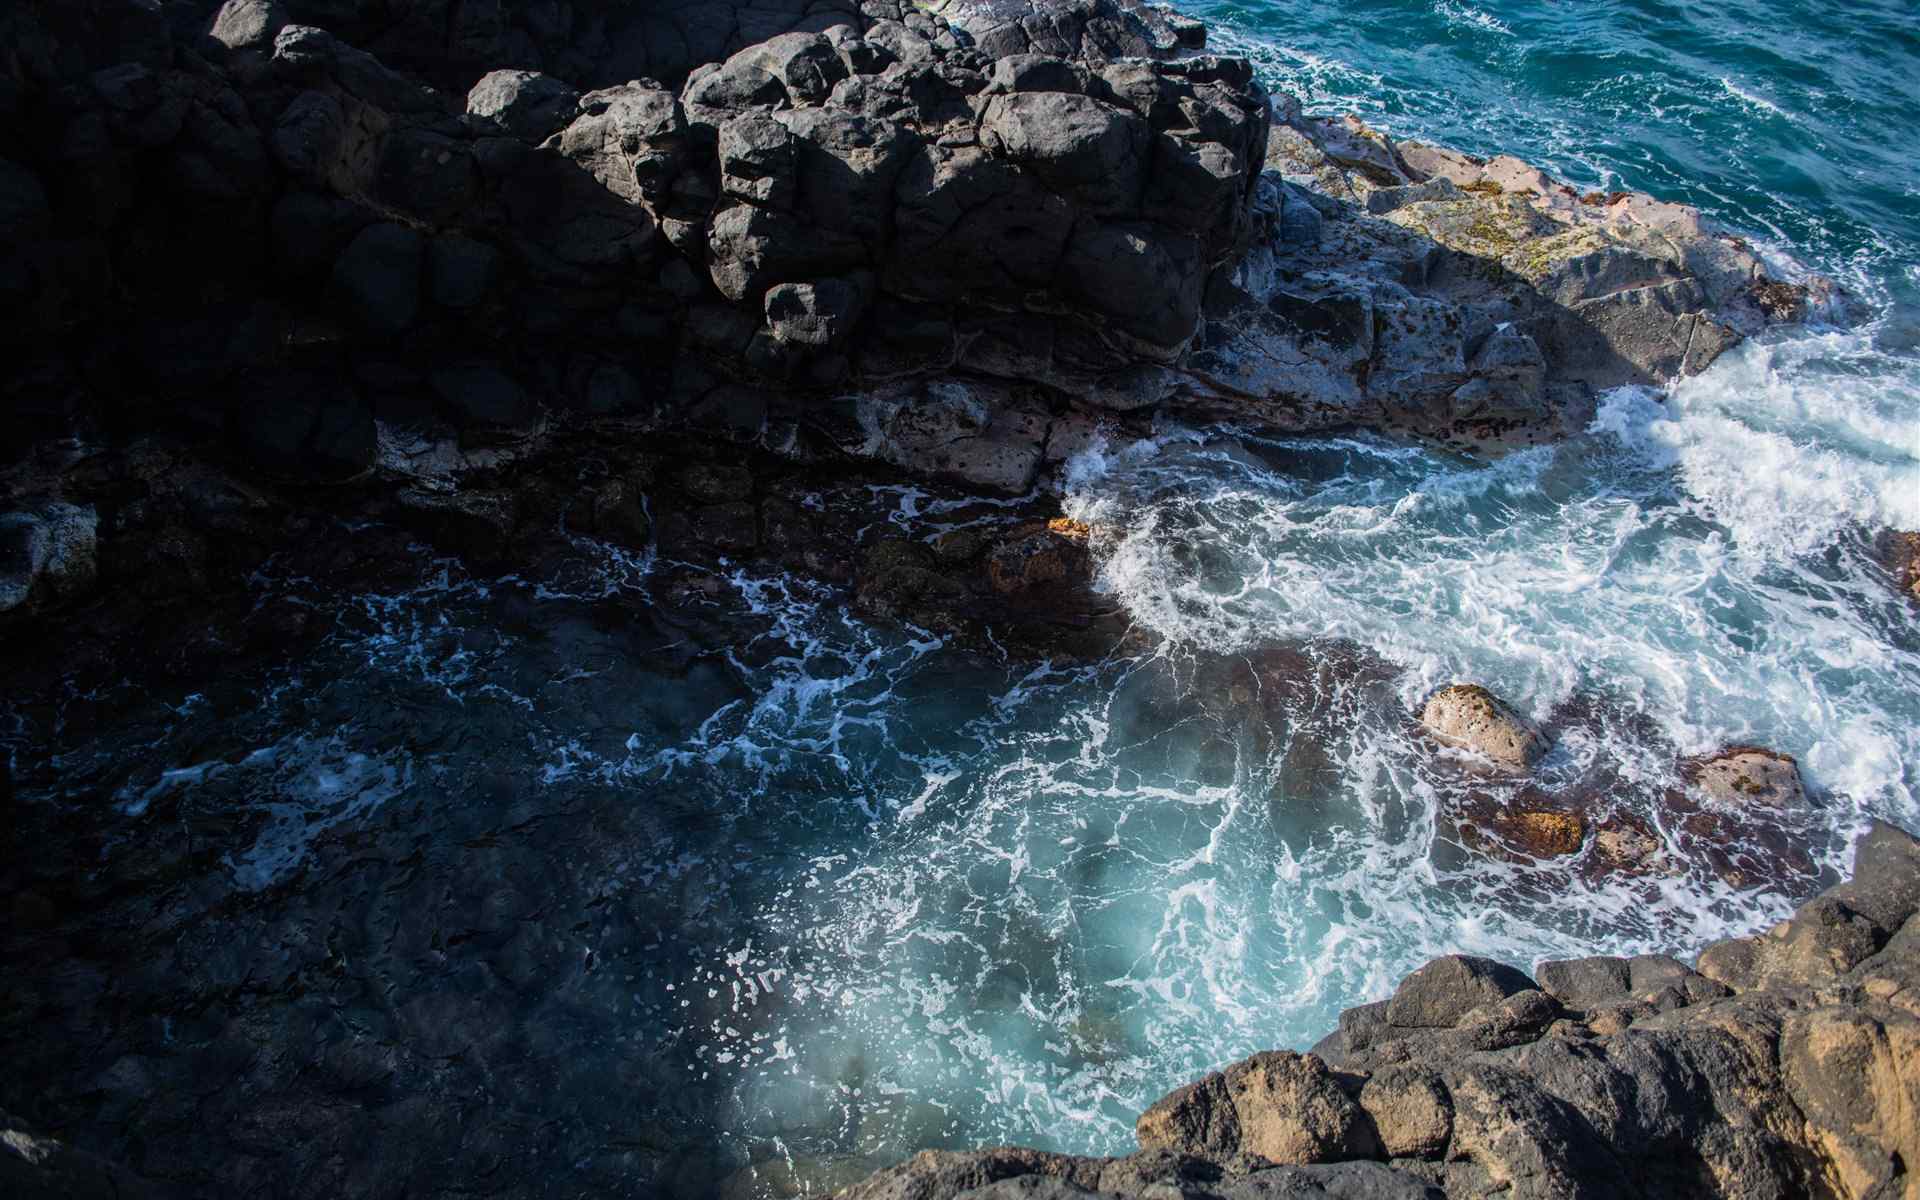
(846, 889)
(1786, 119)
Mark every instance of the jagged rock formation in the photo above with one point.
(1783, 1064)
(33, 1164)
(349, 242)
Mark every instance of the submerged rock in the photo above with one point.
(1518, 830)
(1746, 776)
(1746, 814)
(1472, 718)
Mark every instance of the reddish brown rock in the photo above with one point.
(1901, 551)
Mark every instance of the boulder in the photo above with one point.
(1511, 831)
(48, 555)
(1824, 940)
(1586, 982)
(1901, 551)
(1291, 1109)
(310, 426)
(1852, 1072)
(1748, 776)
(1283, 1107)
(461, 271)
(822, 314)
(1626, 844)
(1885, 885)
(484, 402)
(1093, 153)
(526, 104)
(1472, 718)
(244, 24)
(376, 280)
(1198, 1119)
(1440, 994)
(1410, 1110)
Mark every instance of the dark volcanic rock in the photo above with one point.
(1798, 1081)
(1439, 994)
(48, 554)
(974, 227)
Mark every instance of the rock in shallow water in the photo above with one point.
(1470, 717)
(1747, 776)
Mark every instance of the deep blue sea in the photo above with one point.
(864, 892)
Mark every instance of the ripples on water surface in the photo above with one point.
(854, 891)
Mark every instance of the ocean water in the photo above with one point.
(846, 891)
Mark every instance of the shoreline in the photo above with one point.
(390, 290)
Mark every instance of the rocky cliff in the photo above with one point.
(1784, 1064)
(405, 247)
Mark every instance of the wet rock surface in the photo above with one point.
(945, 240)
(1470, 717)
(1782, 1066)
(335, 286)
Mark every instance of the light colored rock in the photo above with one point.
(1855, 1072)
(1821, 942)
(1410, 1108)
(527, 104)
(248, 24)
(1470, 717)
(1281, 1106)
(1747, 775)
(1291, 1110)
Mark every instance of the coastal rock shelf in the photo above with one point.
(438, 429)
(1782, 1064)
(959, 240)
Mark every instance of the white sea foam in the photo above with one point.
(1756, 102)
(1469, 17)
(1789, 442)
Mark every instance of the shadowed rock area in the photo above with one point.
(1781, 1064)
(404, 247)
